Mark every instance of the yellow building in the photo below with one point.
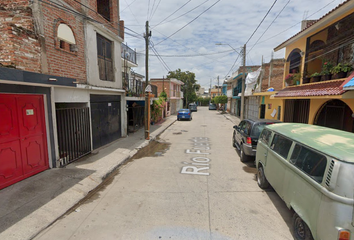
(315, 58)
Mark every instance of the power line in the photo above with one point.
(155, 9)
(194, 55)
(159, 57)
(261, 21)
(187, 12)
(189, 22)
(298, 22)
(269, 26)
(148, 8)
(173, 13)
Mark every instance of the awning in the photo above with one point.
(349, 83)
(330, 88)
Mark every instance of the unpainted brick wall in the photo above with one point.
(276, 80)
(63, 62)
(19, 46)
(160, 84)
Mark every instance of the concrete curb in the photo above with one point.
(37, 221)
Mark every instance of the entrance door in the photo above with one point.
(23, 146)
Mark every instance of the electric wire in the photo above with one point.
(155, 10)
(186, 12)
(159, 57)
(148, 8)
(297, 22)
(269, 26)
(261, 21)
(152, 9)
(173, 13)
(71, 11)
(189, 22)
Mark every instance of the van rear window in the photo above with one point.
(309, 161)
(281, 145)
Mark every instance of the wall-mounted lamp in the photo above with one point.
(302, 53)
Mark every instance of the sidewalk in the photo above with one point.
(232, 118)
(28, 207)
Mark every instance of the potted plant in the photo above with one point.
(341, 70)
(326, 70)
(296, 78)
(347, 67)
(289, 79)
(306, 78)
(316, 77)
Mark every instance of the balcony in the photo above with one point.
(129, 55)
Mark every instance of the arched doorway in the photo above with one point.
(335, 114)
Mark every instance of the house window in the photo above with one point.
(66, 38)
(105, 60)
(103, 8)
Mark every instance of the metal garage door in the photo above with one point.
(106, 119)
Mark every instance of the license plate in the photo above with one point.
(183, 116)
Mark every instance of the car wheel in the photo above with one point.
(301, 230)
(261, 178)
(243, 156)
(177, 119)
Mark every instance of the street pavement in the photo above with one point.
(30, 206)
(189, 184)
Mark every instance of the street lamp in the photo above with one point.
(243, 75)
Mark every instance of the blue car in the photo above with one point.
(184, 114)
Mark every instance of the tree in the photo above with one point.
(221, 100)
(189, 87)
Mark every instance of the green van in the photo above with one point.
(312, 169)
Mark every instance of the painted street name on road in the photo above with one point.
(199, 144)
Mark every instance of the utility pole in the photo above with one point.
(218, 87)
(147, 102)
(243, 82)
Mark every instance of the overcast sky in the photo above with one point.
(185, 32)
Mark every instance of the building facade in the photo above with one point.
(315, 58)
(60, 83)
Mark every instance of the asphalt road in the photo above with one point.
(190, 185)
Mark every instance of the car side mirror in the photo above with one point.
(236, 127)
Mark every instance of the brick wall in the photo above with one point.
(113, 24)
(159, 83)
(62, 61)
(19, 45)
(29, 38)
(276, 80)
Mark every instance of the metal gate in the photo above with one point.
(73, 125)
(135, 118)
(297, 110)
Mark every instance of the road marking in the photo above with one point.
(201, 143)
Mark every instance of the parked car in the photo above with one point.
(184, 114)
(311, 168)
(212, 106)
(245, 136)
(193, 107)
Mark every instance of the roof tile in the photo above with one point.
(317, 89)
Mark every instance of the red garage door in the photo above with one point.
(23, 145)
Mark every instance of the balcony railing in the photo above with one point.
(128, 54)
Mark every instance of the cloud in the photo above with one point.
(231, 22)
